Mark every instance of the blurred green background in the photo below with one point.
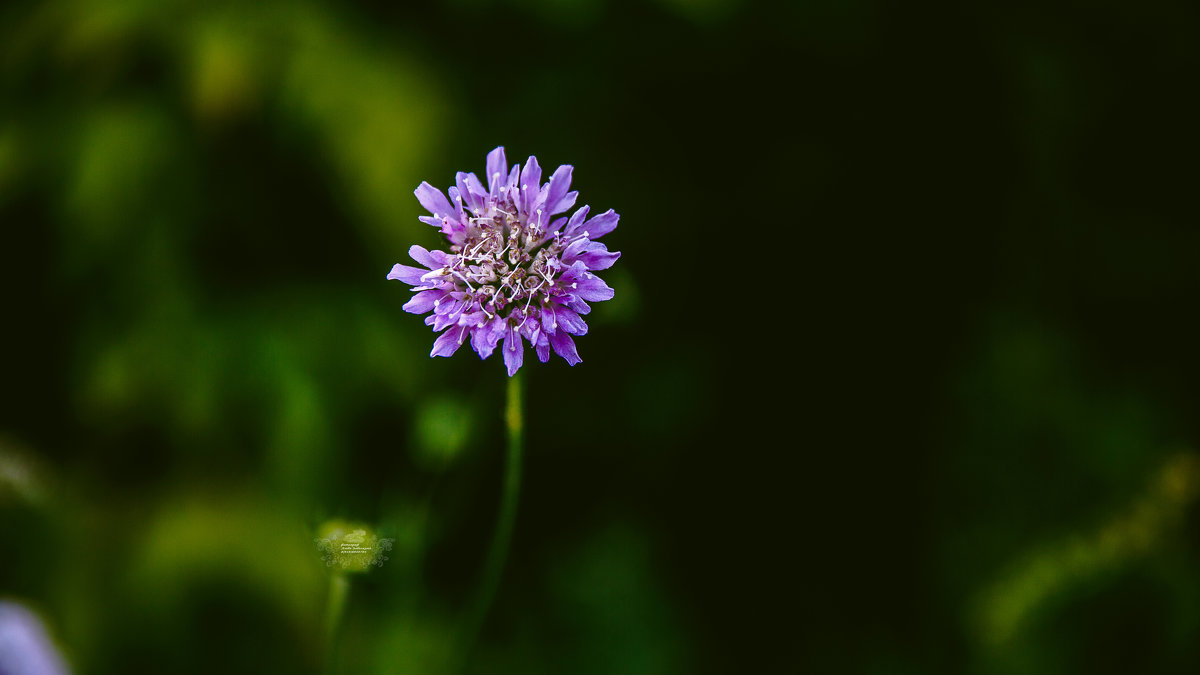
(900, 376)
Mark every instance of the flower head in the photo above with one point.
(514, 272)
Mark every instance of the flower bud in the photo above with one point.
(351, 547)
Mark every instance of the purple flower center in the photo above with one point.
(504, 262)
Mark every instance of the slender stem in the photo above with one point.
(339, 590)
(502, 539)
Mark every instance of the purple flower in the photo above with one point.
(514, 272)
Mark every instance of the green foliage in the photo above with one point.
(898, 378)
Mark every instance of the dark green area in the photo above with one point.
(900, 376)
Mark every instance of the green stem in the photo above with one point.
(339, 590)
(502, 539)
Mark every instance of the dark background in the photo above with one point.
(899, 376)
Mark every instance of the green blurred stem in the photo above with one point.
(339, 591)
(502, 539)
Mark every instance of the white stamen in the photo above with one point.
(468, 283)
(532, 292)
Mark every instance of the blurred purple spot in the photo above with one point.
(25, 647)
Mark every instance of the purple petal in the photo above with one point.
(480, 343)
(423, 256)
(472, 319)
(472, 191)
(579, 282)
(531, 175)
(602, 224)
(514, 179)
(565, 347)
(557, 199)
(539, 206)
(573, 250)
(441, 320)
(514, 350)
(423, 302)
(485, 338)
(555, 226)
(565, 203)
(531, 184)
(449, 342)
(409, 275)
(497, 169)
(594, 289)
(598, 257)
(529, 327)
(543, 347)
(454, 230)
(570, 321)
(550, 318)
(574, 225)
(576, 303)
(456, 202)
(433, 200)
